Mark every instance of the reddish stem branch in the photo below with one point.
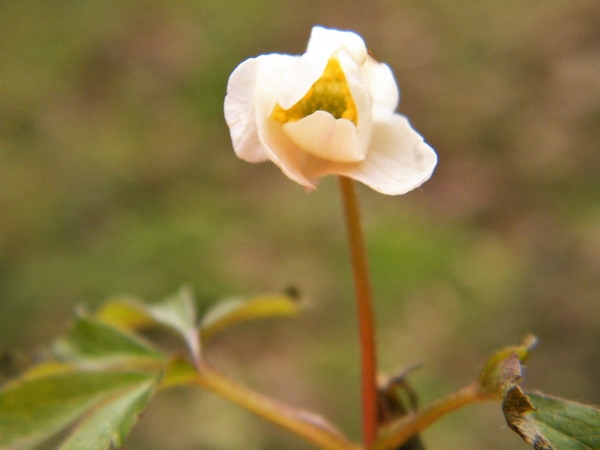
(364, 302)
(396, 434)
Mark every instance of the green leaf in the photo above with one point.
(110, 423)
(566, 424)
(93, 341)
(550, 423)
(177, 313)
(127, 313)
(233, 311)
(32, 410)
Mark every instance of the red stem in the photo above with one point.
(364, 302)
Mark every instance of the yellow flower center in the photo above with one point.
(329, 93)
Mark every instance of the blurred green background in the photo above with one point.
(117, 176)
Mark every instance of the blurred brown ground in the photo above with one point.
(117, 176)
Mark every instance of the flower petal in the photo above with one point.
(384, 90)
(329, 41)
(398, 159)
(322, 45)
(252, 84)
(306, 70)
(324, 136)
(362, 101)
(282, 151)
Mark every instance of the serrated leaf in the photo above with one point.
(177, 313)
(550, 423)
(32, 410)
(110, 423)
(95, 342)
(233, 311)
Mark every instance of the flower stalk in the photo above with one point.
(364, 305)
(332, 111)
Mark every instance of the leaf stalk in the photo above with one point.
(398, 432)
(312, 427)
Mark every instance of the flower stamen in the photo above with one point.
(329, 93)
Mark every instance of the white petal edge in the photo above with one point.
(328, 41)
(384, 90)
(361, 95)
(284, 153)
(253, 83)
(240, 112)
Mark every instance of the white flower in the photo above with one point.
(329, 111)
